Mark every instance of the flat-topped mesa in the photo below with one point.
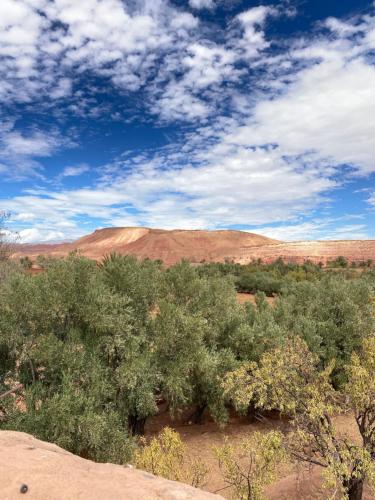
(201, 245)
(316, 251)
(169, 246)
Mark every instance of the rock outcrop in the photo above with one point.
(37, 470)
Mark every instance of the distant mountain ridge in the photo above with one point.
(171, 246)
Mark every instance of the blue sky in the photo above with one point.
(188, 114)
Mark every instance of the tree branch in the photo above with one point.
(11, 391)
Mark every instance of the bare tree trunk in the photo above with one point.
(355, 489)
(251, 413)
(136, 425)
(197, 415)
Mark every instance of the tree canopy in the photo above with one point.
(89, 352)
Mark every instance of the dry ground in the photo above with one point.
(294, 482)
(244, 298)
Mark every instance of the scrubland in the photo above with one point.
(106, 359)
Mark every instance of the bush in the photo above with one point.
(26, 262)
(166, 456)
(251, 466)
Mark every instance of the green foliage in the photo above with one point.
(360, 389)
(96, 347)
(332, 315)
(76, 417)
(258, 277)
(56, 327)
(26, 262)
(338, 262)
(253, 282)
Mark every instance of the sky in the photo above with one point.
(196, 114)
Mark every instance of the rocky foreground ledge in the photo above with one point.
(38, 470)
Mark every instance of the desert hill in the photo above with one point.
(169, 246)
(198, 245)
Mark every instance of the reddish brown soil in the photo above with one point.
(198, 246)
(244, 298)
(295, 482)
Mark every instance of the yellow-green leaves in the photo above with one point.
(251, 466)
(285, 379)
(165, 455)
(361, 378)
(288, 379)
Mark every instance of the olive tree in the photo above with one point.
(333, 315)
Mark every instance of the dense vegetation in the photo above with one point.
(88, 352)
(271, 278)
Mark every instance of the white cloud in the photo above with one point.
(371, 199)
(292, 232)
(35, 144)
(202, 4)
(253, 39)
(348, 232)
(254, 16)
(176, 103)
(42, 42)
(319, 229)
(329, 110)
(74, 171)
(19, 150)
(40, 235)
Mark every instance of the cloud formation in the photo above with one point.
(202, 4)
(47, 46)
(274, 131)
(20, 151)
(74, 171)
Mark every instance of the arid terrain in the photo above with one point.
(294, 481)
(198, 246)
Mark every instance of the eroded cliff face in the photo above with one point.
(38, 470)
